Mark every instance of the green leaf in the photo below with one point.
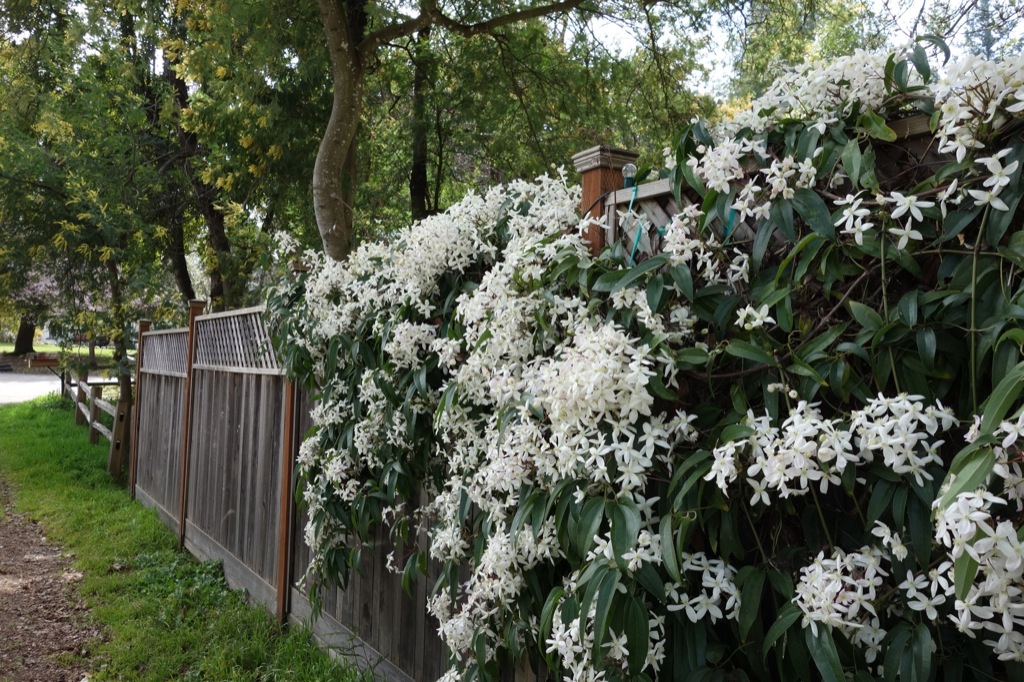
(655, 289)
(590, 523)
(781, 214)
(669, 556)
(900, 636)
(927, 346)
(658, 388)
(750, 602)
(813, 210)
(683, 280)
(693, 356)
(547, 615)
(881, 497)
(956, 221)
(866, 316)
(637, 632)
(608, 280)
(631, 275)
(919, 58)
(824, 654)
(788, 615)
(937, 42)
(907, 308)
(625, 520)
(603, 609)
(748, 351)
(735, 432)
(1004, 395)
(762, 238)
(852, 161)
(875, 126)
(999, 221)
(965, 570)
(969, 469)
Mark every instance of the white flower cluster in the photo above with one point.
(545, 387)
(809, 449)
(573, 643)
(975, 99)
(716, 596)
(840, 591)
(819, 92)
(976, 93)
(983, 526)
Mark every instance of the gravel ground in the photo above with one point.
(44, 626)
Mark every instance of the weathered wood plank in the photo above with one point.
(338, 639)
(238, 575)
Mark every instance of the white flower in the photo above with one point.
(911, 204)
(1000, 175)
(905, 234)
(987, 196)
(853, 214)
(750, 318)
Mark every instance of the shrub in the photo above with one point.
(786, 446)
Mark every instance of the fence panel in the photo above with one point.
(234, 477)
(237, 392)
(373, 619)
(161, 406)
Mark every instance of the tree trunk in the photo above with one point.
(116, 461)
(419, 201)
(176, 256)
(222, 284)
(26, 336)
(334, 172)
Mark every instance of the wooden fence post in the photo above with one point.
(600, 170)
(120, 439)
(195, 308)
(95, 393)
(133, 459)
(83, 377)
(284, 537)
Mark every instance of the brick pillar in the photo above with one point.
(600, 170)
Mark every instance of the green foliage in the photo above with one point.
(858, 317)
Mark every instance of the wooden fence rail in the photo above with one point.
(87, 396)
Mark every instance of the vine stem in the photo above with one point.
(757, 536)
(974, 309)
(821, 517)
(885, 309)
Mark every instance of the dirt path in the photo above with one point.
(43, 622)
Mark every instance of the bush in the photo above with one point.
(784, 447)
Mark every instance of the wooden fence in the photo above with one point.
(87, 396)
(216, 428)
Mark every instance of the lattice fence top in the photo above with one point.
(654, 203)
(165, 352)
(236, 340)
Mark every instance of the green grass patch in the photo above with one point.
(167, 615)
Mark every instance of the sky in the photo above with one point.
(905, 18)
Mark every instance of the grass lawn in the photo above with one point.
(167, 616)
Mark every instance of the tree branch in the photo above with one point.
(431, 14)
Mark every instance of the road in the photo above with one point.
(15, 388)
